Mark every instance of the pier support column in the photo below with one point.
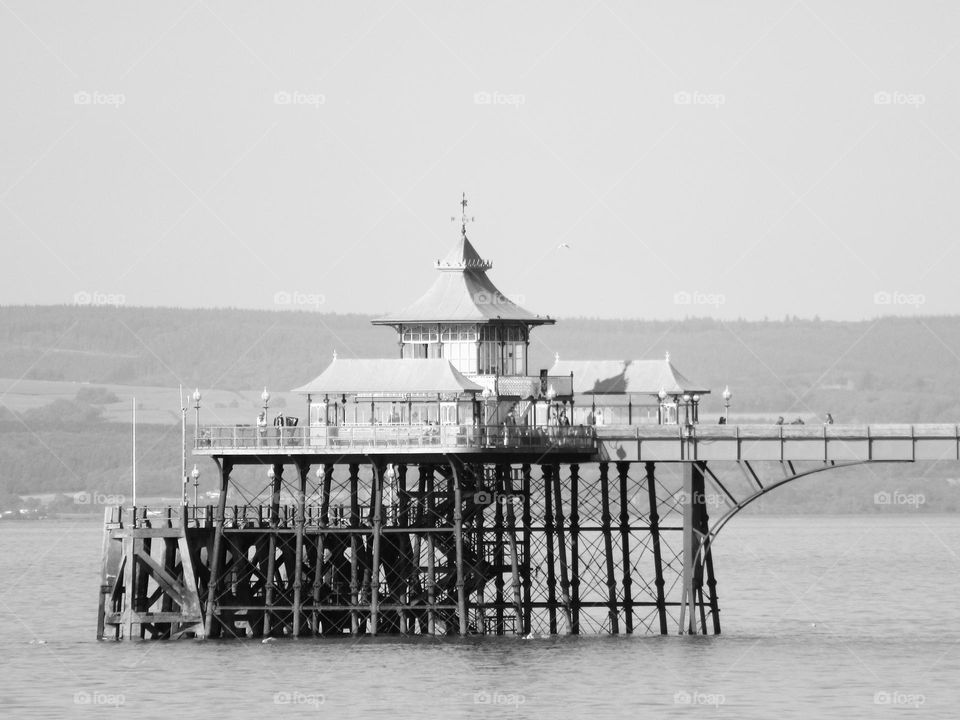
(607, 530)
(304, 471)
(458, 541)
(548, 527)
(376, 504)
(575, 549)
(268, 619)
(354, 470)
(527, 576)
(655, 541)
(694, 520)
(514, 559)
(211, 626)
(561, 546)
(623, 470)
(501, 497)
(319, 564)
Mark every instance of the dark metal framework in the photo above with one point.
(446, 547)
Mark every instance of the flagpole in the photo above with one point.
(134, 453)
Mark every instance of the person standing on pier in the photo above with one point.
(261, 426)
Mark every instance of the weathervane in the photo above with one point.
(463, 216)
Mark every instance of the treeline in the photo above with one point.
(891, 369)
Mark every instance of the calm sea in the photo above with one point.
(822, 617)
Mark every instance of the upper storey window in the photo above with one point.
(458, 332)
(420, 334)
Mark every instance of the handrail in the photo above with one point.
(246, 437)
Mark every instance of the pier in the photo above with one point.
(449, 491)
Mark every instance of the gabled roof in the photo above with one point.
(415, 376)
(463, 293)
(643, 377)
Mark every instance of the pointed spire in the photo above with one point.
(667, 356)
(463, 256)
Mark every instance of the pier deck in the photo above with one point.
(637, 443)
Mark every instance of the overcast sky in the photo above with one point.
(741, 159)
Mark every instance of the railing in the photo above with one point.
(379, 437)
(787, 432)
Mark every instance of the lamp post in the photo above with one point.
(726, 404)
(196, 407)
(696, 409)
(262, 426)
(195, 474)
(686, 409)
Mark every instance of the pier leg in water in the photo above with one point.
(694, 521)
(212, 628)
(268, 621)
(607, 530)
(376, 503)
(623, 471)
(655, 540)
(303, 471)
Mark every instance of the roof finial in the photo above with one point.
(667, 356)
(463, 215)
(334, 354)
(556, 358)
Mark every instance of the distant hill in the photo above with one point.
(67, 375)
(892, 369)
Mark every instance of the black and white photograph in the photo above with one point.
(418, 359)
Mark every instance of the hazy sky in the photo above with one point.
(728, 159)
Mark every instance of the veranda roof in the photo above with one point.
(642, 377)
(390, 376)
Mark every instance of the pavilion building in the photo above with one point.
(463, 368)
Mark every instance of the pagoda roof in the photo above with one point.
(642, 377)
(463, 293)
(390, 376)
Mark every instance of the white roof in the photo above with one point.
(646, 377)
(390, 376)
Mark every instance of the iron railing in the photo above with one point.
(362, 437)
